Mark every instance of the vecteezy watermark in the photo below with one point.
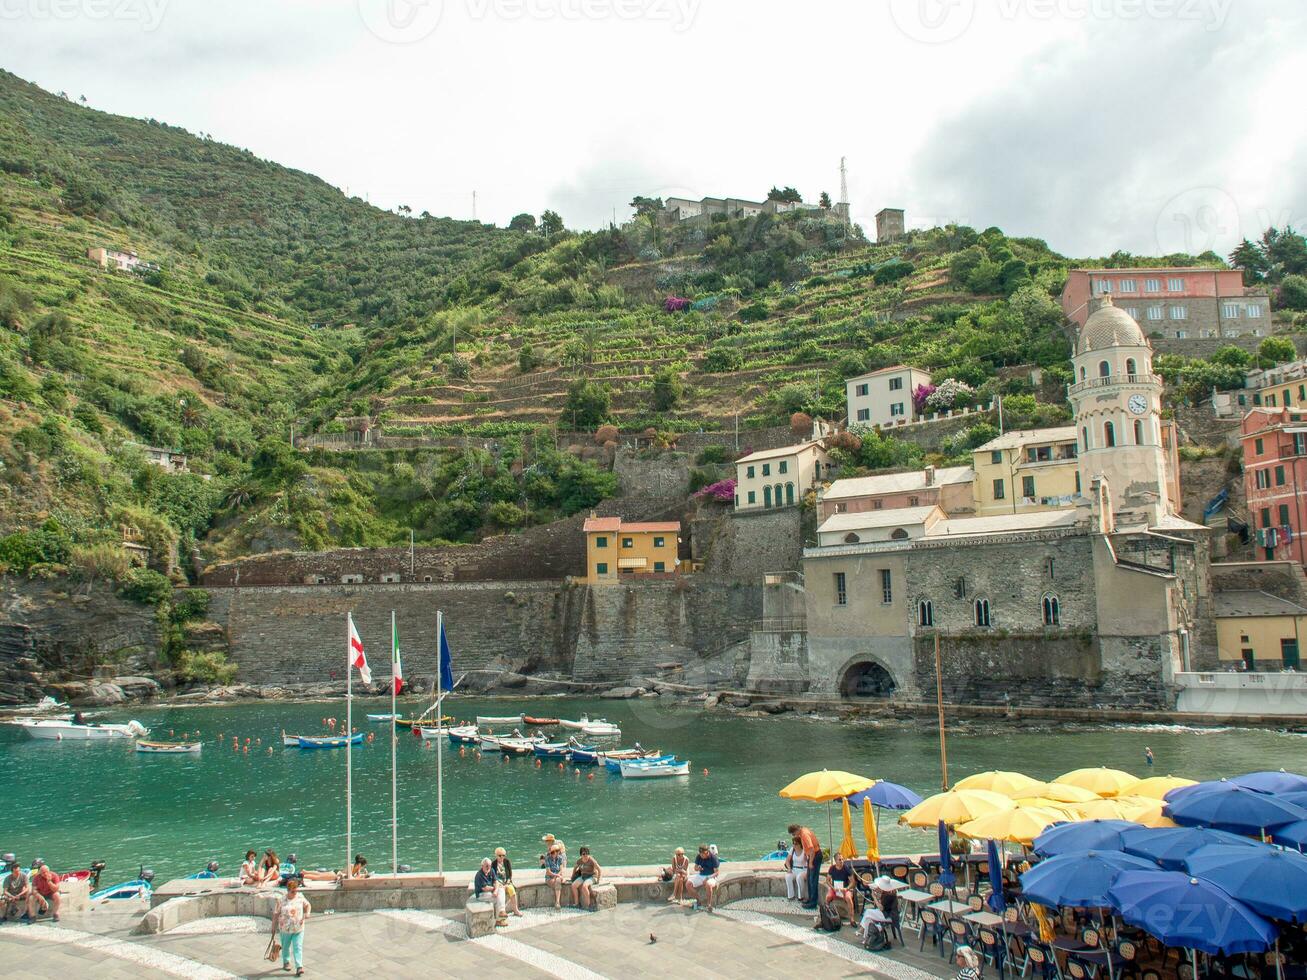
(149, 13)
(401, 21)
(406, 21)
(941, 21)
(1198, 220)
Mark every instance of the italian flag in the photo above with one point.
(394, 648)
(357, 658)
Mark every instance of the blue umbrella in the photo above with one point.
(1190, 913)
(890, 796)
(1273, 782)
(1297, 798)
(946, 875)
(996, 900)
(1170, 846)
(1269, 881)
(1079, 879)
(1294, 834)
(1180, 792)
(1097, 835)
(1233, 808)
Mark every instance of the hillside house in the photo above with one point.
(1258, 631)
(117, 260)
(779, 477)
(1183, 303)
(616, 550)
(884, 397)
(676, 209)
(166, 459)
(890, 224)
(1027, 471)
(949, 487)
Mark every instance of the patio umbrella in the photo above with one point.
(1296, 798)
(1233, 808)
(1066, 793)
(847, 847)
(1156, 787)
(1190, 913)
(1044, 803)
(1206, 786)
(946, 876)
(871, 832)
(1169, 848)
(1269, 881)
(824, 786)
(1019, 826)
(954, 807)
(892, 796)
(1273, 782)
(1112, 809)
(1146, 812)
(1097, 835)
(1078, 879)
(1100, 780)
(1009, 784)
(1291, 834)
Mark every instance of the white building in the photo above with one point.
(884, 397)
(779, 477)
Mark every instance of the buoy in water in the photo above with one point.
(269, 750)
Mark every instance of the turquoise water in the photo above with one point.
(78, 801)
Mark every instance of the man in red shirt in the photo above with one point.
(45, 891)
(812, 849)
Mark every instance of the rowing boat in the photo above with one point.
(559, 750)
(328, 741)
(509, 746)
(654, 770)
(432, 731)
(464, 735)
(168, 748)
(539, 722)
(61, 731)
(615, 765)
(575, 725)
(485, 721)
(394, 718)
(601, 729)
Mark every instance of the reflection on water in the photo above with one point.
(80, 801)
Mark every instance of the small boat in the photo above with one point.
(575, 725)
(137, 888)
(539, 722)
(615, 765)
(647, 770)
(485, 721)
(601, 729)
(412, 722)
(558, 750)
(509, 746)
(432, 731)
(464, 735)
(60, 731)
(290, 741)
(168, 748)
(328, 741)
(394, 718)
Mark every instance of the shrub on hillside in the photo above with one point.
(146, 586)
(1276, 350)
(526, 359)
(711, 454)
(190, 604)
(99, 562)
(606, 433)
(49, 544)
(720, 359)
(851, 365)
(849, 442)
(587, 403)
(667, 390)
(753, 313)
(723, 491)
(801, 425)
(208, 667)
(1292, 294)
(807, 352)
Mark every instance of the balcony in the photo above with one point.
(1114, 379)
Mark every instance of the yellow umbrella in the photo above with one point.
(955, 807)
(1019, 826)
(1009, 784)
(1156, 787)
(847, 847)
(1144, 811)
(1066, 793)
(1104, 782)
(870, 831)
(1100, 810)
(1044, 803)
(824, 786)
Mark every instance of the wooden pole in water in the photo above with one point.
(939, 704)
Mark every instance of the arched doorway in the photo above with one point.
(867, 679)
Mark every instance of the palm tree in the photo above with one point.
(239, 497)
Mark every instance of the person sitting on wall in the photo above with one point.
(15, 893)
(487, 888)
(45, 891)
(269, 868)
(705, 876)
(250, 873)
(287, 870)
(585, 875)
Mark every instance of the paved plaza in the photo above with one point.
(748, 940)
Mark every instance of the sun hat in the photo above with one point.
(548, 838)
(884, 883)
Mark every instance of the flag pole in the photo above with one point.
(394, 794)
(349, 742)
(440, 743)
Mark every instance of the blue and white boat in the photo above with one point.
(654, 770)
(559, 750)
(141, 887)
(464, 735)
(615, 765)
(328, 741)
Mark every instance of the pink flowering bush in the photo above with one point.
(723, 491)
(920, 395)
(676, 304)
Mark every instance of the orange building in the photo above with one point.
(616, 550)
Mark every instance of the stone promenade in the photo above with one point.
(748, 939)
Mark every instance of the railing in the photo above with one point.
(1115, 379)
(781, 624)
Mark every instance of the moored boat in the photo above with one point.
(328, 741)
(59, 731)
(433, 731)
(464, 735)
(615, 764)
(654, 770)
(291, 741)
(168, 748)
(394, 718)
(539, 722)
(586, 757)
(575, 725)
(558, 750)
(601, 729)
(510, 745)
(485, 721)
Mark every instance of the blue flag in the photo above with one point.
(446, 663)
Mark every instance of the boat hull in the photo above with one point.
(329, 742)
(601, 731)
(615, 765)
(61, 731)
(168, 748)
(539, 722)
(636, 770)
(484, 721)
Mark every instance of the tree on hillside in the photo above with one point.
(787, 194)
(1292, 294)
(646, 206)
(1249, 260)
(667, 389)
(1276, 350)
(522, 222)
(551, 224)
(824, 200)
(587, 404)
(1280, 253)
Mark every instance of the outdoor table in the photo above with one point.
(948, 907)
(897, 886)
(986, 919)
(915, 900)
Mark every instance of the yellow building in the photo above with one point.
(616, 550)
(1258, 631)
(1026, 472)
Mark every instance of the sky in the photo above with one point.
(1152, 126)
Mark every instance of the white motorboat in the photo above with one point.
(654, 770)
(383, 717)
(601, 729)
(486, 721)
(576, 725)
(168, 748)
(432, 731)
(60, 731)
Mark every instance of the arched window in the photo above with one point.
(851, 538)
(789, 493)
(1139, 432)
(1130, 366)
(1084, 436)
(925, 613)
(1109, 434)
(981, 607)
(1083, 373)
(779, 499)
(898, 534)
(1052, 610)
(1104, 369)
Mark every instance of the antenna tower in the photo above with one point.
(844, 191)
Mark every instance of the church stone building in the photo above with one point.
(1099, 604)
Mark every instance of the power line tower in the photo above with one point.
(474, 205)
(844, 192)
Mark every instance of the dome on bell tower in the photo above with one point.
(1109, 326)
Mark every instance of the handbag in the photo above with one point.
(274, 949)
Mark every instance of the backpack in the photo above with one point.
(876, 939)
(828, 917)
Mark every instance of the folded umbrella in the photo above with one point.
(997, 901)
(1268, 880)
(871, 832)
(946, 875)
(1078, 879)
(847, 847)
(1098, 835)
(1170, 848)
(1190, 913)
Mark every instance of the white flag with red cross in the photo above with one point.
(357, 658)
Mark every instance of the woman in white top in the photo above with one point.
(796, 873)
(250, 873)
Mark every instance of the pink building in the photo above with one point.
(1175, 303)
(949, 488)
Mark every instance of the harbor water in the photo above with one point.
(75, 802)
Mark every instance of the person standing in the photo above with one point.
(1148, 756)
(288, 922)
(807, 840)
